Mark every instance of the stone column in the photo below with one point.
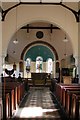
(77, 64)
(60, 71)
(79, 50)
(3, 63)
(0, 45)
(54, 69)
(1, 108)
(79, 70)
(79, 44)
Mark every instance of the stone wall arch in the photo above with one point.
(37, 13)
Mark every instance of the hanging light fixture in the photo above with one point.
(16, 41)
(65, 40)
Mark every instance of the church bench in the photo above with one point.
(59, 89)
(8, 87)
(14, 93)
(68, 106)
(65, 91)
(20, 89)
(13, 98)
(61, 93)
(75, 107)
(6, 108)
(20, 92)
(53, 84)
(8, 103)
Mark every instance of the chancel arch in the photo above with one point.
(58, 19)
(40, 54)
(27, 39)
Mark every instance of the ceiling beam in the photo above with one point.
(40, 27)
(76, 14)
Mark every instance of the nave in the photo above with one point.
(23, 101)
(39, 104)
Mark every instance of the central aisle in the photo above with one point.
(38, 105)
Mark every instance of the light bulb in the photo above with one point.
(15, 41)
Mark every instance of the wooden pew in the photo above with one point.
(65, 91)
(69, 101)
(11, 86)
(8, 103)
(62, 91)
(13, 93)
(59, 90)
(20, 89)
(7, 110)
(75, 107)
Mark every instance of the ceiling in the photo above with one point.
(40, 0)
(70, 3)
(25, 38)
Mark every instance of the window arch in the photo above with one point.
(39, 63)
(28, 64)
(49, 65)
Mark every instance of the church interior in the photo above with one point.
(39, 60)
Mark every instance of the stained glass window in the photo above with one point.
(39, 62)
(49, 65)
(28, 64)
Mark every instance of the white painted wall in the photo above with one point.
(55, 39)
(62, 17)
(78, 57)
(1, 55)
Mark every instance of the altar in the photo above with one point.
(39, 78)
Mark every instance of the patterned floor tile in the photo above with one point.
(38, 106)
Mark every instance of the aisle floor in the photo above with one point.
(38, 105)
